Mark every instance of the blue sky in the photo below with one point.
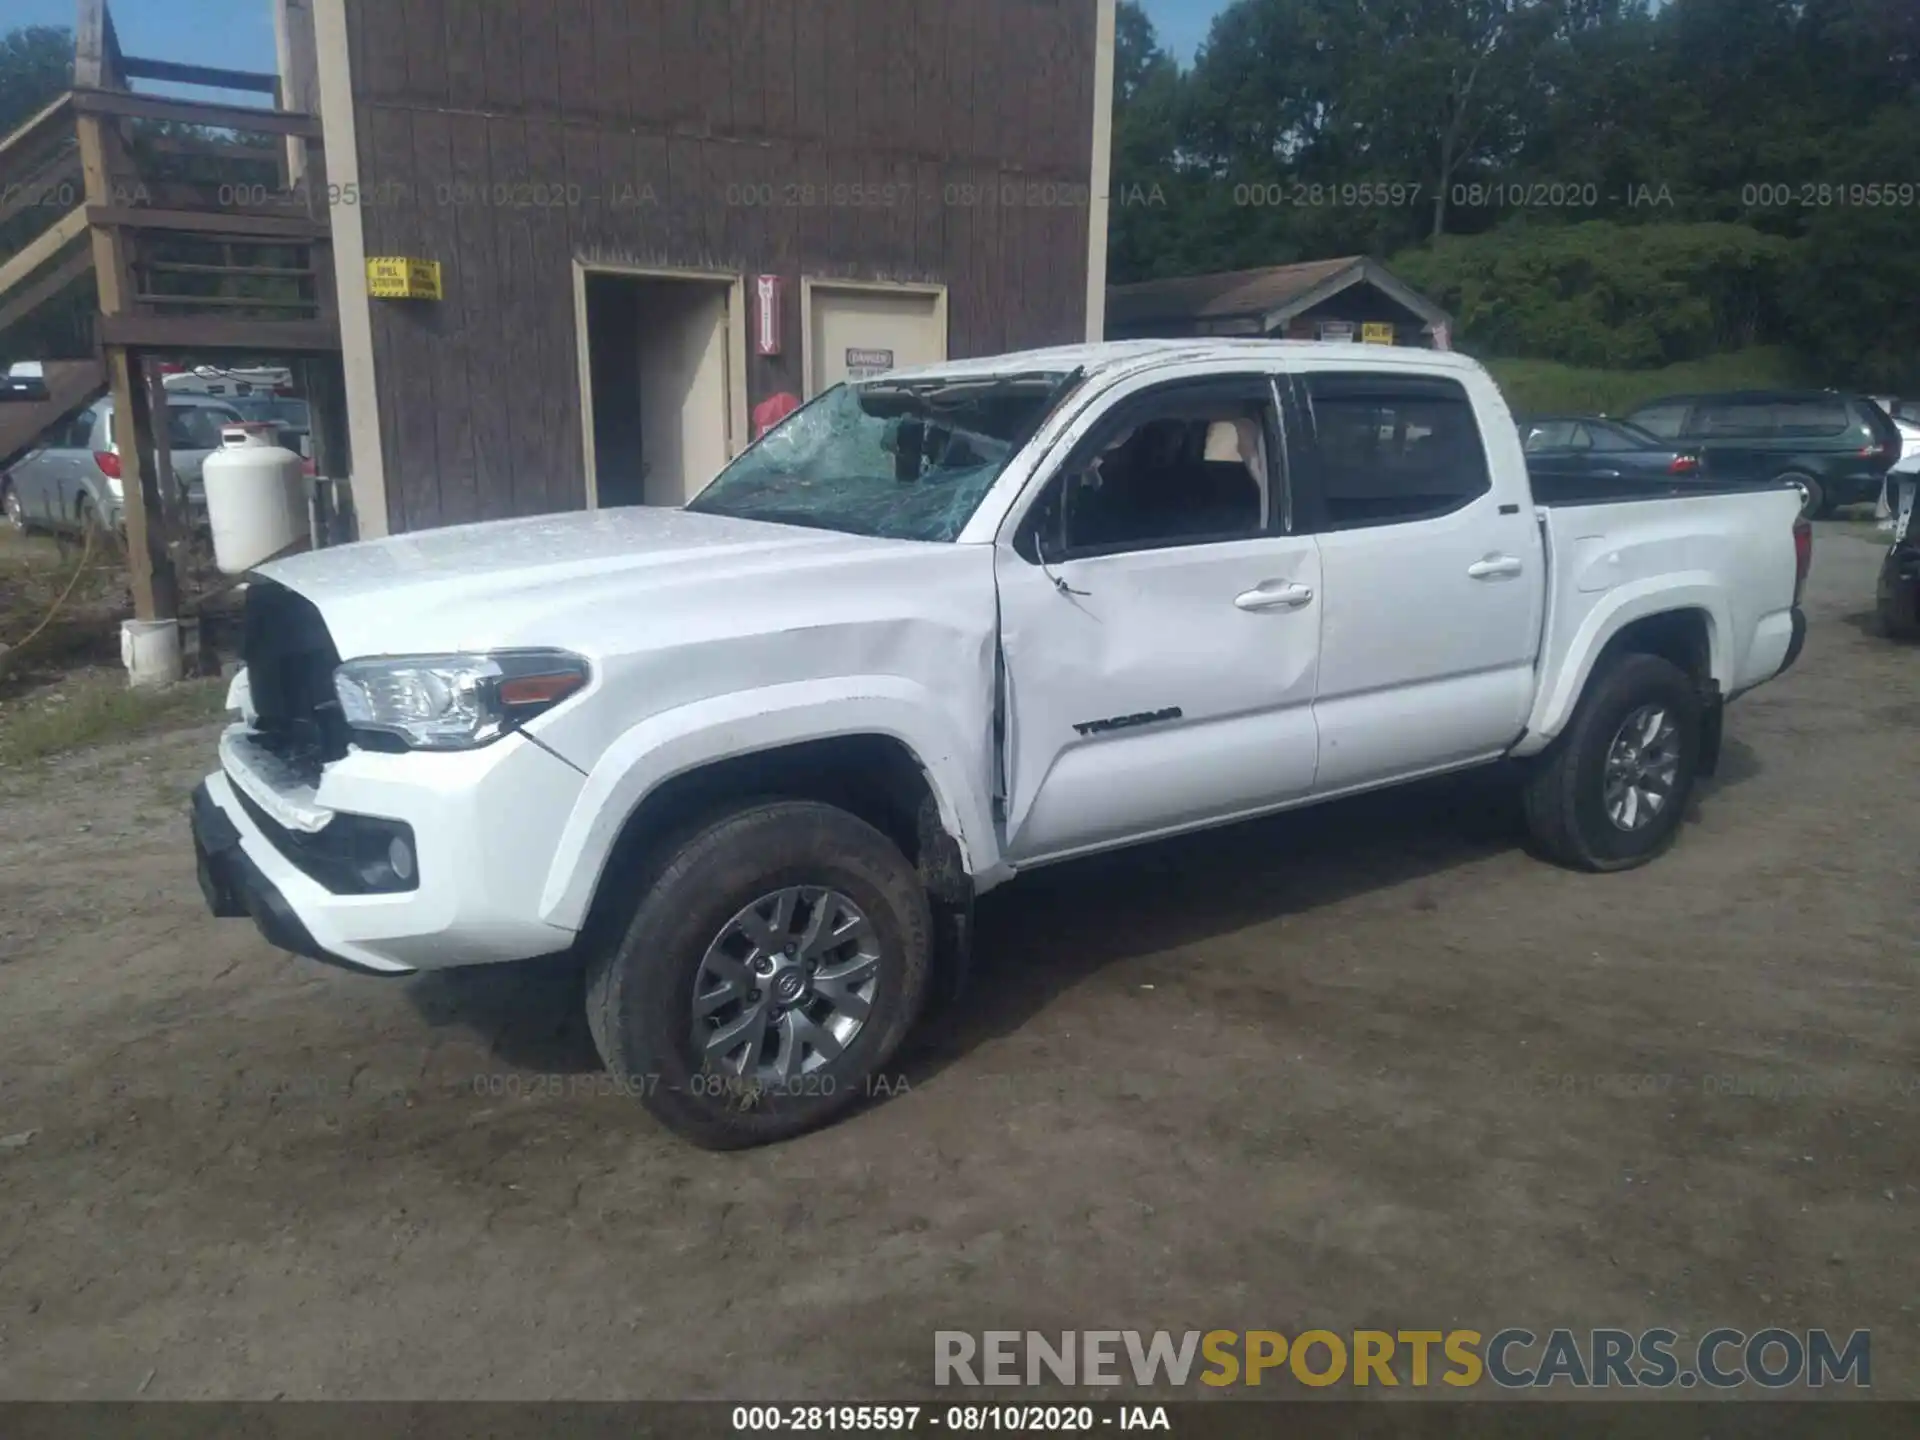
(232, 34)
(238, 34)
(1182, 24)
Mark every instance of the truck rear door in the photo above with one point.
(1432, 570)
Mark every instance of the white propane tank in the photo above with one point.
(256, 499)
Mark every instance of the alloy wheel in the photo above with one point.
(1643, 767)
(785, 986)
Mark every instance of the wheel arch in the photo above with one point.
(885, 759)
(1688, 627)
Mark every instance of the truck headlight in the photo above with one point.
(454, 702)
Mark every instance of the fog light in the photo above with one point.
(400, 859)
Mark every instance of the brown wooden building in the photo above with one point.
(660, 222)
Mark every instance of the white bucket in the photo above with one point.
(150, 649)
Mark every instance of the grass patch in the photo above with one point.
(1545, 387)
(69, 601)
(98, 708)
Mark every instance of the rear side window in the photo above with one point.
(1663, 421)
(1554, 435)
(1734, 419)
(197, 427)
(77, 433)
(1605, 437)
(1393, 449)
(1820, 416)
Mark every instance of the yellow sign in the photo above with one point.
(396, 277)
(1376, 332)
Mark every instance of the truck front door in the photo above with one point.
(1160, 624)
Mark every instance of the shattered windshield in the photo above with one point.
(900, 459)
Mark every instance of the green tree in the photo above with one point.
(36, 64)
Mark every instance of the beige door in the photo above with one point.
(684, 401)
(859, 333)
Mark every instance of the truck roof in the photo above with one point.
(1115, 356)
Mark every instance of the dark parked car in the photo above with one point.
(1836, 448)
(1595, 448)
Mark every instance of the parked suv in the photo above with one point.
(72, 482)
(1836, 448)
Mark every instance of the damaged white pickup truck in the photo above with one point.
(754, 759)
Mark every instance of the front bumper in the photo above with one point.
(485, 825)
(234, 887)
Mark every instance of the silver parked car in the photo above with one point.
(73, 480)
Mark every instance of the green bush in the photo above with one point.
(1545, 387)
(1597, 294)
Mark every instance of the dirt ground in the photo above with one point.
(1372, 1066)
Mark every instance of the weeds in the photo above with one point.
(96, 707)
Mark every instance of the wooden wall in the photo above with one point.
(929, 140)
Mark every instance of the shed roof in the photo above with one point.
(1274, 293)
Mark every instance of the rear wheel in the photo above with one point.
(88, 518)
(774, 965)
(1610, 793)
(1813, 495)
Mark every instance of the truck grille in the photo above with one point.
(290, 660)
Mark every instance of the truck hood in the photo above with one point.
(531, 582)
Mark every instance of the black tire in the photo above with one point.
(1565, 795)
(15, 512)
(1817, 506)
(88, 519)
(640, 987)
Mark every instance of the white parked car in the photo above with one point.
(754, 759)
(73, 482)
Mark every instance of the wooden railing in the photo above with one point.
(204, 226)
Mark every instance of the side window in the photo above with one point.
(1734, 420)
(1394, 449)
(1186, 468)
(1662, 420)
(1551, 435)
(1819, 416)
(77, 433)
(1605, 437)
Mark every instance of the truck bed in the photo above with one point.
(1556, 488)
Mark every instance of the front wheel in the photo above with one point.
(1610, 793)
(773, 967)
(16, 512)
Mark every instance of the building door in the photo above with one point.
(662, 372)
(684, 405)
(856, 332)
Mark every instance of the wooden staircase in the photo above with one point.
(71, 384)
(202, 228)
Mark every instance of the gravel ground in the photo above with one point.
(1372, 1066)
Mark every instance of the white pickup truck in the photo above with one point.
(754, 759)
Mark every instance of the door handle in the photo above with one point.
(1494, 567)
(1275, 595)
(1606, 474)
